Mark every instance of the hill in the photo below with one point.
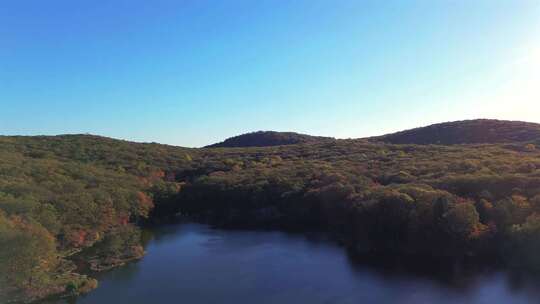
(63, 194)
(466, 132)
(266, 139)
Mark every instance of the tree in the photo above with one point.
(28, 252)
(461, 220)
(525, 240)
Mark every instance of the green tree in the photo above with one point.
(461, 220)
(28, 252)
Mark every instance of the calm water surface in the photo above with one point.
(191, 263)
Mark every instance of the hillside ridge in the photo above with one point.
(476, 131)
(266, 139)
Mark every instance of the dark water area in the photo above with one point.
(192, 263)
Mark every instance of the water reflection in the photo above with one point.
(196, 264)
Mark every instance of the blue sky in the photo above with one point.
(193, 72)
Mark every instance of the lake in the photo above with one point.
(192, 263)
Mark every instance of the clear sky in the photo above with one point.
(193, 72)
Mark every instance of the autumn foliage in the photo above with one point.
(62, 194)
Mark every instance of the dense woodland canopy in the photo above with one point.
(62, 194)
(466, 132)
(267, 138)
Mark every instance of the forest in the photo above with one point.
(61, 196)
(267, 138)
(466, 132)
